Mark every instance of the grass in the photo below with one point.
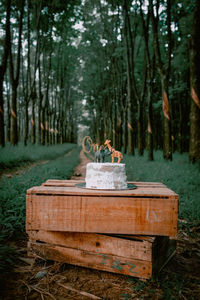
(11, 157)
(179, 175)
(13, 194)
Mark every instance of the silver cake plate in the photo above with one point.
(130, 186)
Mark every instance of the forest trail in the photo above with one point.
(80, 170)
(9, 173)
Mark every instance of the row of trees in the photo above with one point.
(128, 72)
(140, 77)
(37, 71)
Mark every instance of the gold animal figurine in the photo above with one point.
(115, 153)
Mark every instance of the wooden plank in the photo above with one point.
(56, 182)
(115, 215)
(146, 238)
(99, 261)
(136, 247)
(159, 192)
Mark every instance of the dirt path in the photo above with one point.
(9, 173)
(36, 278)
(81, 169)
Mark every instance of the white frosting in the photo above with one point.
(108, 176)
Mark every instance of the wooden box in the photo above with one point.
(59, 205)
(138, 256)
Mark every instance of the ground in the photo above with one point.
(36, 278)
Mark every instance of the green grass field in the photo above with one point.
(11, 157)
(13, 190)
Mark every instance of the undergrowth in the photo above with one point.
(179, 175)
(13, 195)
(11, 157)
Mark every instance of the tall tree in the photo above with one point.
(3, 70)
(164, 72)
(129, 63)
(194, 150)
(150, 77)
(14, 76)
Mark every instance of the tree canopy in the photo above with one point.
(123, 70)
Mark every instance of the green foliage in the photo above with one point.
(13, 191)
(11, 157)
(13, 195)
(179, 175)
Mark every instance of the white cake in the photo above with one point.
(108, 176)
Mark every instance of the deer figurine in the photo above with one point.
(113, 151)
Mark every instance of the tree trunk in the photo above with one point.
(180, 127)
(15, 80)
(150, 134)
(8, 118)
(2, 72)
(164, 71)
(33, 129)
(167, 141)
(47, 129)
(194, 148)
(2, 133)
(125, 131)
(39, 127)
(26, 121)
(129, 85)
(42, 125)
(13, 127)
(140, 129)
(150, 75)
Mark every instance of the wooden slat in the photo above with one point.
(146, 238)
(159, 192)
(136, 247)
(99, 261)
(55, 182)
(118, 215)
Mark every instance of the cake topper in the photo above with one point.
(100, 154)
(114, 152)
(100, 151)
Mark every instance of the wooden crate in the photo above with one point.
(138, 256)
(150, 209)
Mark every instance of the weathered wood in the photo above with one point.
(147, 191)
(104, 230)
(139, 257)
(137, 247)
(144, 211)
(99, 261)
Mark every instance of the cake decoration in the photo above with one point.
(101, 151)
(104, 175)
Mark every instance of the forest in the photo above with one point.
(126, 71)
(123, 70)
